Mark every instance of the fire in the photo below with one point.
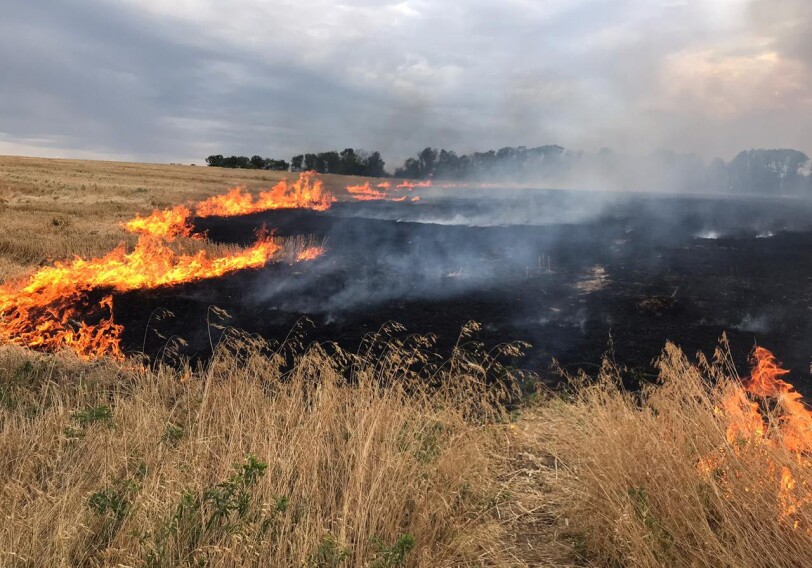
(305, 193)
(794, 427)
(310, 253)
(49, 310)
(412, 184)
(749, 429)
(365, 192)
(43, 312)
(167, 224)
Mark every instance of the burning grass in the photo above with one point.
(50, 310)
(700, 470)
(55, 209)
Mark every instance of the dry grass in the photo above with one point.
(54, 209)
(313, 457)
(109, 465)
(632, 483)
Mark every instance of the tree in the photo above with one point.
(277, 165)
(448, 165)
(330, 162)
(350, 164)
(374, 165)
(258, 162)
(215, 161)
(311, 162)
(296, 162)
(428, 158)
(410, 169)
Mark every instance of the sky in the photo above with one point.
(161, 81)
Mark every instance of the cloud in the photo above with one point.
(723, 85)
(175, 81)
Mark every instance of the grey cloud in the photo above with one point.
(151, 80)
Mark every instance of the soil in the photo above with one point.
(564, 271)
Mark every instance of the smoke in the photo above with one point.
(458, 242)
(371, 262)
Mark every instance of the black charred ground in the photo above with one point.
(637, 269)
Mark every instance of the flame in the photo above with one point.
(310, 253)
(365, 192)
(167, 224)
(307, 192)
(43, 312)
(795, 425)
(50, 310)
(410, 185)
(749, 429)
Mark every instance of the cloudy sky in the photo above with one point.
(160, 80)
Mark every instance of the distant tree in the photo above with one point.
(236, 162)
(769, 171)
(448, 165)
(410, 169)
(296, 162)
(350, 163)
(427, 159)
(329, 162)
(258, 162)
(374, 166)
(215, 161)
(277, 165)
(311, 162)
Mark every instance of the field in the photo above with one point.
(53, 209)
(386, 448)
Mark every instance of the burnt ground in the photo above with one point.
(564, 271)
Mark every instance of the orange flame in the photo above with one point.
(747, 428)
(310, 253)
(43, 311)
(167, 224)
(795, 426)
(412, 184)
(365, 192)
(305, 193)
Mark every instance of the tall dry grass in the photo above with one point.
(286, 457)
(388, 456)
(650, 479)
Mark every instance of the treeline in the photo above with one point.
(506, 162)
(244, 162)
(429, 163)
(781, 171)
(349, 162)
(761, 171)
